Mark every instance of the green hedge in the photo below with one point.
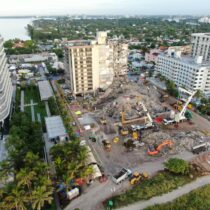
(162, 183)
(198, 199)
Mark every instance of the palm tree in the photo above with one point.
(16, 200)
(25, 178)
(40, 196)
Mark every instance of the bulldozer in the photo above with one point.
(137, 177)
(154, 151)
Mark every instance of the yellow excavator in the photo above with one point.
(137, 177)
(124, 131)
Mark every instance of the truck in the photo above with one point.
(200, 148)
(73, 193)
(168, 121)
(122, 175)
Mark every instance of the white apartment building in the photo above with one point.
(201, 45)
(90, 65)
(5, 86)
(185, 71)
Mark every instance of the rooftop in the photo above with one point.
(74, 43)
(45, 90)
(55, 127)
(201, 34)
(188, 60)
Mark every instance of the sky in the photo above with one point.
(106, 7)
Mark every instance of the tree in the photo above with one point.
(177, 166)
(25, 178)
(40, 196)
(199, 94)
(16, 200)
(171, 88)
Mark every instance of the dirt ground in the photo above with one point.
(125, 95)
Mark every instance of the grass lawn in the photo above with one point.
(161, 183)
(33, 93)
(198, 199)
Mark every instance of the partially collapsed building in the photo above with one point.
(90, 65)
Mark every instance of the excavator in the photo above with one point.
(154, 151)
(124, 131)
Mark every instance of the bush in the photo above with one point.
(177, 166)
(163, 182)
(197, 199)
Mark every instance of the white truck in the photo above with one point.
(122, 175)
(73, 193)
(168, 121)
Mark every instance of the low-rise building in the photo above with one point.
(152, 55)
(33, 58)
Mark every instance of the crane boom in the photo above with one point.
(147, 113)
(181, 115)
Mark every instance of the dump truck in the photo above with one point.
(121, 176)
(137, 177)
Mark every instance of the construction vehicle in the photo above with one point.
(137, 177)
(148, 119)
(124, 131)
(116, 139)
(163, 98)
(181, 115)
(154, 151)
(121, 176)
(200, 148)
(135, 135)
(103, 121)
(107, 145)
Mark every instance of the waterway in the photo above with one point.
(11, 28)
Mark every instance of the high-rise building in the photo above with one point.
(201, 45)
(90, 65)
(185, 71)
(191, 72)
(5, 86)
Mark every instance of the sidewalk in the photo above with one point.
(169, 196)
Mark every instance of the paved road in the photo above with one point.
(169, 196)
(93, 196)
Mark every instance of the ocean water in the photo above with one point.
(11, 28)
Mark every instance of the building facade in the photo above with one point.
(201, 45)
(185, 71)
(90, 65)
(6, 88)
(152, 55)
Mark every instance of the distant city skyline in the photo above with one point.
(104, 7)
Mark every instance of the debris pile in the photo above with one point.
(182, 140)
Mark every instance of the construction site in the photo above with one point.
(135, 122)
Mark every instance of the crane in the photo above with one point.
(148, 115)
(181, 115)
